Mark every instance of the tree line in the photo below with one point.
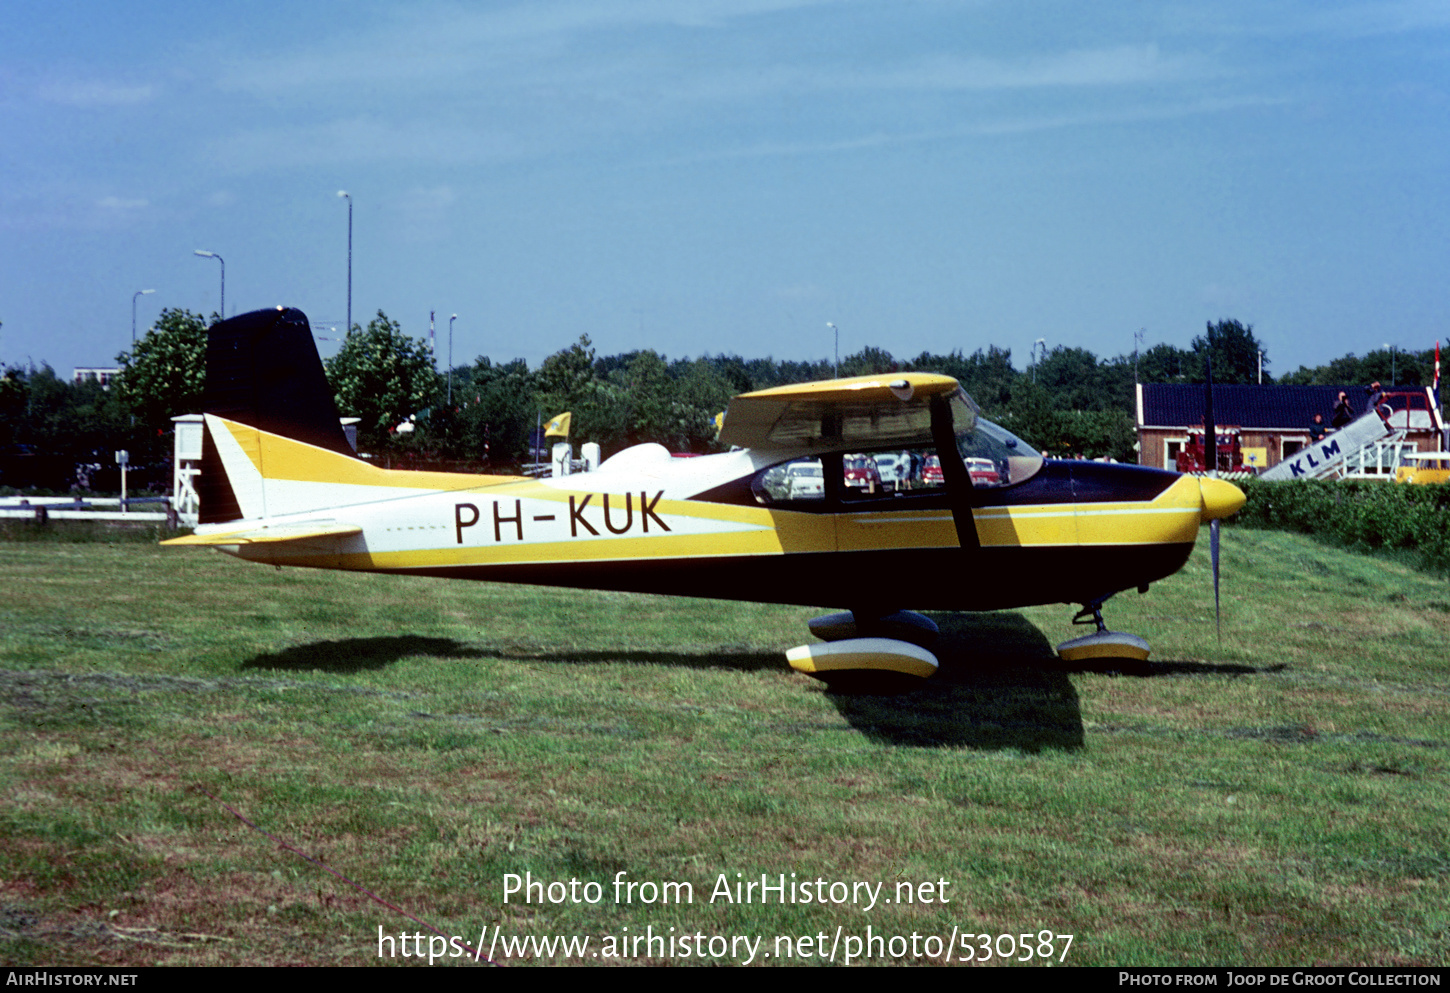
(484, 414)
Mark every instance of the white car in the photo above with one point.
(895, 468)
(805, 481)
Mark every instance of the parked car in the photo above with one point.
(894, 469)
(931, 474)
(983, 472)
(861, 472)
(805, 481)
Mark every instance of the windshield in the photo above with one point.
(986, 447)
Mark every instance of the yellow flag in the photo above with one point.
(558, 427)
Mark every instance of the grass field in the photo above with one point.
(1279, 797)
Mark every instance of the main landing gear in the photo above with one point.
(872, 651)
(867, 651)
(1102, 643)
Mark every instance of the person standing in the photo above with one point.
(1343, 412)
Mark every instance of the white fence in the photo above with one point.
(84, 509)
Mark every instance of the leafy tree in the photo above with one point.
(14, 397)
(1074, 379)
(1165, 363)
(987, 375)
(731, 370)
(869, 361)
(701, 393)
(1235, 353)
(164, 375)
(383, 377)
(62, 425)
(1391, 368)
(673, 405)
(567, 378)
(494, 411)
(1099, 434)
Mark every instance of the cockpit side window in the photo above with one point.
(901, 478)
(791, 482)
(896, 477)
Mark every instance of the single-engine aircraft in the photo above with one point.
(993, 525)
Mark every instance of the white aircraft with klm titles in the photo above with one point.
(973, 520)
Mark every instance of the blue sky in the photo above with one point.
(701, 176)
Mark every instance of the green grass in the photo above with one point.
(1279, 797)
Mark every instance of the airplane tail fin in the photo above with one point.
(273, 446)
(262, 371)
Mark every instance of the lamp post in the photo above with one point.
(214, 255)
(838, 347)
(138, 293)
(1043, 343)
(348, 197)
(450, 358)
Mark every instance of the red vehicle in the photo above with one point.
(983, 472)
(931, 472)
(1230, 456)
(861, 473)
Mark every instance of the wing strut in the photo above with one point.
(1210, 445)
(954, 472)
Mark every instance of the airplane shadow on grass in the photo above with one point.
(352, 655)
(1000, 686)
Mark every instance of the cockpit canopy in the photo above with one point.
(903, 463)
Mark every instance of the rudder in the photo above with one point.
(263, 370)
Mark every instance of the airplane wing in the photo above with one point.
(838, 414)
(274, 534)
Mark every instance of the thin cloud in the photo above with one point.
(1360, 20)
(363, 138)
(1002, 126)
(94, 94)
(451, 46)
(1117, 66)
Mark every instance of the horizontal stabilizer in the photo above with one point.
(270, 535)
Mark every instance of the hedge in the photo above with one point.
(1366, 516)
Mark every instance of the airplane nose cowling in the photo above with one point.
(1220, 498)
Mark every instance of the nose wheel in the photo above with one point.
(1102, 644)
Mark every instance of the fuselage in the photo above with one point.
(649, 523)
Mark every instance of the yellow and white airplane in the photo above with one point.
(973, 518)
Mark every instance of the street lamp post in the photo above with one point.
(214, 255)
(838, 347)
(138, 293)
(450, 358)
(1043, 343)
(348, 197)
